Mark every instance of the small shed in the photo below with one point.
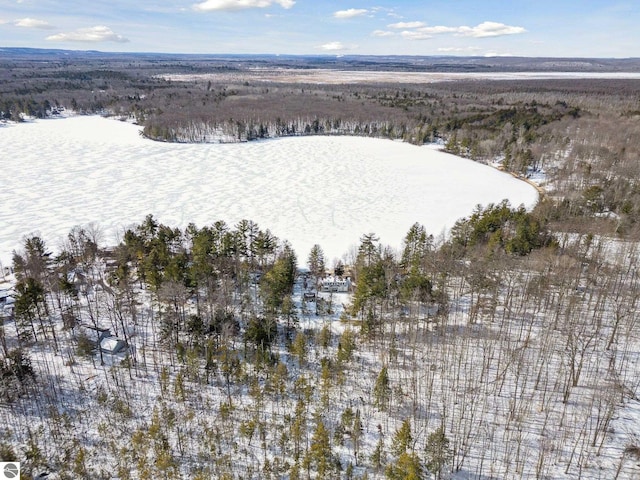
(7, 311)
(7, 297)
(113, 345)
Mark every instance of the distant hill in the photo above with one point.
(354, 62)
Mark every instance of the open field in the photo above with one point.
(339, 77)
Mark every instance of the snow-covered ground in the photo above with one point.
(335, 77)
(57, 174)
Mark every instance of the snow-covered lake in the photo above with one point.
(57, 174)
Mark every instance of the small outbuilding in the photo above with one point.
(7, 297)
(113, 345)
(7, 311)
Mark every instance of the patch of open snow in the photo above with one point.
(331, 76)
(326, 190)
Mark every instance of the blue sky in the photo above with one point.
(559, 28)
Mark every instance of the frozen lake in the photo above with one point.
(57, 174)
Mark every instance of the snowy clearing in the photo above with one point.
(329, 190)
(337, 77)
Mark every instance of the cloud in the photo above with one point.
(33, 23)
(458, 49)
(382, 33)
(439, 30)
(93, 34)
(333, 47)
(415, 35)
(490, 29)
(212, 5)
(495, 54)
(401, 25)
(418, 30)
(350, 13)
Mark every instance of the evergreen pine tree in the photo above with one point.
(406, 467)
(316, 262)
(382, 390)
(437, 451)
(402, 439)
(320, 450)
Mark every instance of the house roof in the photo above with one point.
(112, 344)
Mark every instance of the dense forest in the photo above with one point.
(508, 349)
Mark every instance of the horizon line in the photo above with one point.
(319, 54)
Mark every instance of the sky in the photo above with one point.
(538, 28)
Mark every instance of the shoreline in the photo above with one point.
(104, 172)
